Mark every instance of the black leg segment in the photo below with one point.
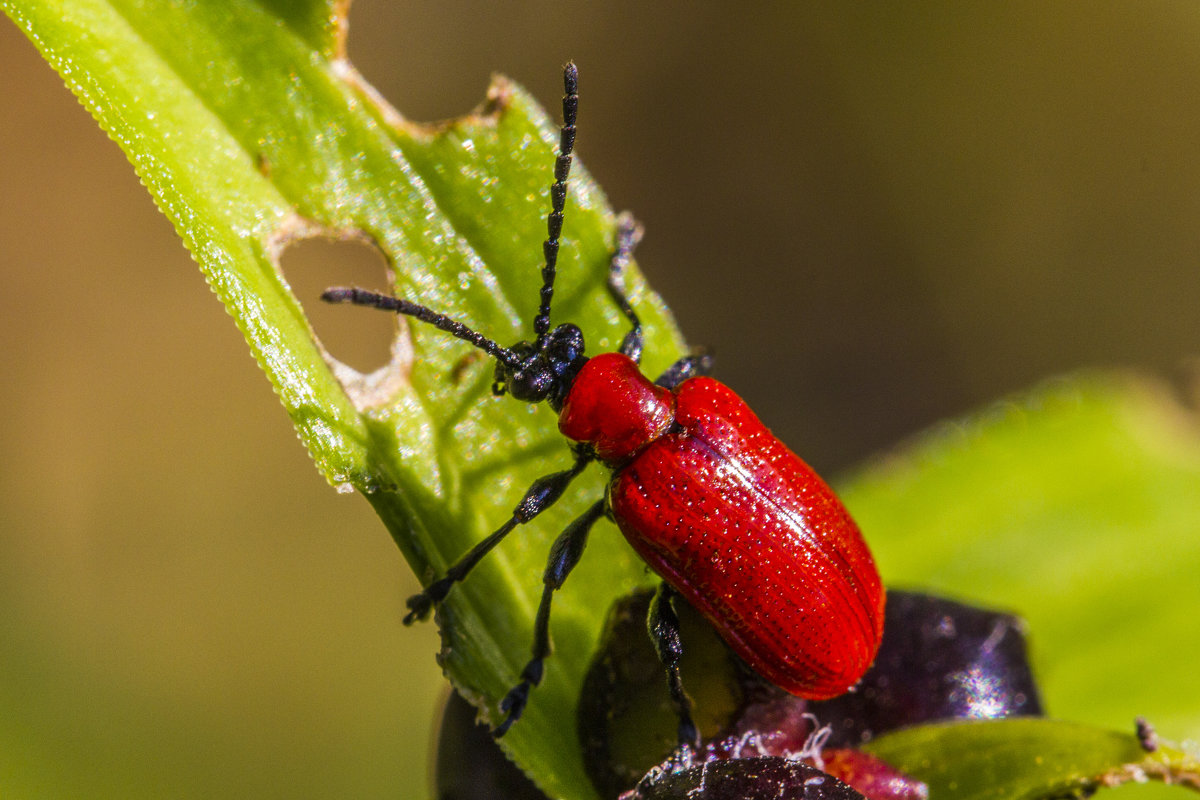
(629, 233)
(663, 625)
(544, 492)
(564, 555)
(689, 366)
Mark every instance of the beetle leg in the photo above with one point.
(698, 363)
(544, 492)
(629, 233)
(564, 555)
(663, 625)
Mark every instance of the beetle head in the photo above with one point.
(545, 371)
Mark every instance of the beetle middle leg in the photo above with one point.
(564, 555)
(662, 623)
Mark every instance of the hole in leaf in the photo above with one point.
(361, 338)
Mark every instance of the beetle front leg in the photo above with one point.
(663, 625)
(629, 233)
(544, 492)
(564, 555)
(699, 363)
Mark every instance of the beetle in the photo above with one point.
(730, 518)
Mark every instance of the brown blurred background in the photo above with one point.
(877, 215)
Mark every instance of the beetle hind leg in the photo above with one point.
(662, 623)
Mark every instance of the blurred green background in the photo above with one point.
(878, 216)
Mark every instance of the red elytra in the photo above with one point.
(735, 522)
(730, 518)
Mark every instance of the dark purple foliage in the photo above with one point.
(939, 660)
(470, 765)
(762, 778)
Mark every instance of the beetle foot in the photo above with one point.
(419, 606)
(514, 702)
(513, 705)
(689, 735)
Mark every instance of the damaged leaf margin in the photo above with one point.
(366, 391)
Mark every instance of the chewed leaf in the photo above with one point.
(252, 133)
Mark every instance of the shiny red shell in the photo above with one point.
(735, 522)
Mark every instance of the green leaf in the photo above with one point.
(251, 133)
(1028, 758)
(1076, 506)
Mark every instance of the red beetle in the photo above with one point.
(734, 522)
(728, 516)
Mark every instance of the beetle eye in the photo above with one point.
(565, 343)
(532, 384)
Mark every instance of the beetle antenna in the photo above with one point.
(558, 197)
(362, 297)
